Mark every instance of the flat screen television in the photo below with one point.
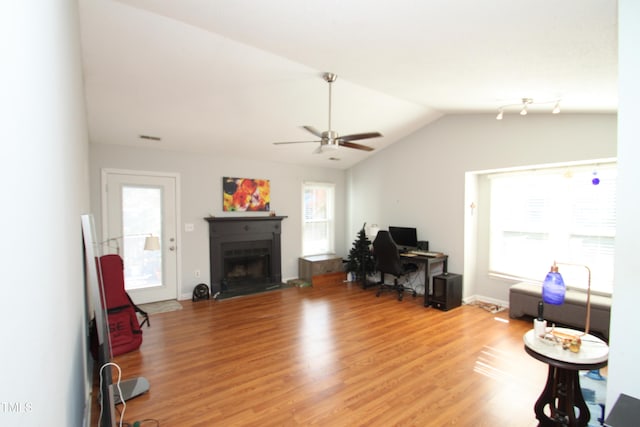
(98, 323)
(405, 237)
(99, 329)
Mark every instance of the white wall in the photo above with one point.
(625, 328)
(201, 196)
(421, 180)
(43, 170)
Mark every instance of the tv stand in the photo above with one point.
(131, 388)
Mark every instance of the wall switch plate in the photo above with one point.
(188, 227)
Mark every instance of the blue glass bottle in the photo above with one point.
(553, 287)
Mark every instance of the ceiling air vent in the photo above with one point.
(150, 138)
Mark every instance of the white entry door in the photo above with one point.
(135, 206)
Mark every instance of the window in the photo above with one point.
(141, 213)
(317, 218)
(564, 214)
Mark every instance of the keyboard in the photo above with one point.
(425, 253)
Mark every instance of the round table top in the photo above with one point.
(593, 353)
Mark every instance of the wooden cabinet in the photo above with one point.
(321, 269)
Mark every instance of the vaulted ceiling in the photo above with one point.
(234, 76)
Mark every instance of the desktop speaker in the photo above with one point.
(447, 291)
(423, 245)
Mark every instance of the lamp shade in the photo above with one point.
(553, 287)
(372, 231)
(152, 243)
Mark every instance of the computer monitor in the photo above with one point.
(405, 237)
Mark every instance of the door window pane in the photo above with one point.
(141, 217)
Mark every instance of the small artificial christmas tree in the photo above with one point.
(360, 259)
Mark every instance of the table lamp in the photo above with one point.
(554, 289)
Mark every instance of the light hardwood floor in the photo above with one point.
(333, 356)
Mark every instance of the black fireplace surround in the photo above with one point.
(244, 253)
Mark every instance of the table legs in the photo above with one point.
(427, 276)
(563, 396)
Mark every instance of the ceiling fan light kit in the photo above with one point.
(330, 140)
(524, 107)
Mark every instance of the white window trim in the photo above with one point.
(331, 220)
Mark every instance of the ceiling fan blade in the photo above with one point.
(313, 131)
(294, 142)
(356, 136)
(354, 145)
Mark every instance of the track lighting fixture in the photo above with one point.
(524, 107)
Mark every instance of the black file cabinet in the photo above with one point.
(447, 291)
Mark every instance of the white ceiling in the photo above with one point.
(234, 76)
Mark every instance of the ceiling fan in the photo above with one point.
(329, 139)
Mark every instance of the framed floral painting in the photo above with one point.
(246, 194)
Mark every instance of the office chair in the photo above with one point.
(388, 261)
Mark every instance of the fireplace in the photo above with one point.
(244, 253)
(245, 263)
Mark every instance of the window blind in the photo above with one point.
(564, 214)
(318, 218)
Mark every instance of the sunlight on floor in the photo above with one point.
(317, 345)
(489, 360)
(512, 388)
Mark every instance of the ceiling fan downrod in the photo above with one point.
(330, 78)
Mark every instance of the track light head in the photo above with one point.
(525, 103)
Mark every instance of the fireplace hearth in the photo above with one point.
(244, 254)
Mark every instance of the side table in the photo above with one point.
(562, 393)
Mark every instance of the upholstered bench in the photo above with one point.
(524, 298)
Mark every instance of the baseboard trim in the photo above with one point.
(480, 298)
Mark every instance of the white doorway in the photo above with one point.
(137, 205)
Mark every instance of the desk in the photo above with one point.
(428, 262)
(562, 393)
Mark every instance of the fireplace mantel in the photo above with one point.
(223, 219)
(230, 230)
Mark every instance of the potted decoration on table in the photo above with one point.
(360, 261)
